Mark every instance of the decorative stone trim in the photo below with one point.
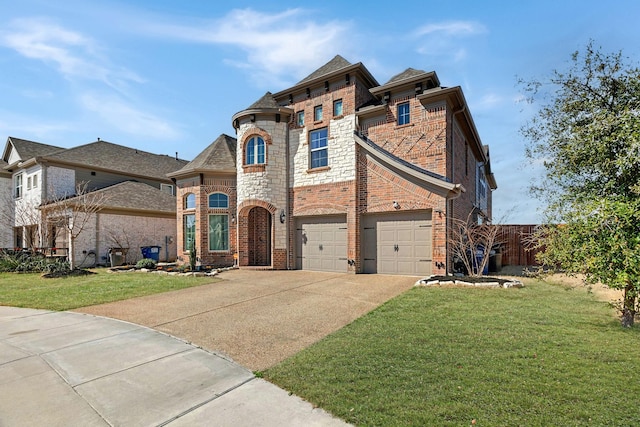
(481, 282)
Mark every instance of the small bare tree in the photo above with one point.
(471, 243)
(73, 213)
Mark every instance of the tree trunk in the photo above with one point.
(628, 306)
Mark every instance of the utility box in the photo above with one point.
(117, 256)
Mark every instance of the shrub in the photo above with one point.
(146, 263)
(25, 262)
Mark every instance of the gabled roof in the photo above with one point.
(219, 156)
(26, 149)
(117, 158)
(407, 78)
(133, 196)
(335, 68)
(337, 63)
(406, 74)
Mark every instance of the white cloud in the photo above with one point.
(31, 127)
(451, 28)
(121, 115)
(442, 39)
(274, 45)
(72, 54)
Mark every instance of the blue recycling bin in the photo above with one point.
(152, 252)
(478, 258)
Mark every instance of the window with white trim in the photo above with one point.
(167, 188)
(17, 186)
(254, 151)
(319, 153)
(300, 118)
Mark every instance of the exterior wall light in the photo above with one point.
(282, 216)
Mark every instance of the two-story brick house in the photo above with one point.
(339, 173)
(138, 207)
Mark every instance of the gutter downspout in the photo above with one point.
(449, 202)
(287, 201)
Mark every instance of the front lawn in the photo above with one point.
(66, 293)
(538, 356)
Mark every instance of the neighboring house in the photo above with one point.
(40, 173)
(339, 173)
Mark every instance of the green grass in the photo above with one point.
(538, 356)
(66, 293)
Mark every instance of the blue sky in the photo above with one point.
(166, 76)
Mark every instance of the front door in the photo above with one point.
(259, 234)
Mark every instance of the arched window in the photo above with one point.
(190, 201)
(254, 151)
(218, 200)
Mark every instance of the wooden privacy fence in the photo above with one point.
(512, 240)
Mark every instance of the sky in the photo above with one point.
(167, 76)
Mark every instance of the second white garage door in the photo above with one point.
(398, 243)
(321, 243)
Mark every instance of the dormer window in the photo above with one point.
(254, 151)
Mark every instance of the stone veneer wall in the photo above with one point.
(263, 185)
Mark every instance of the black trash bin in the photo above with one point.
(152, 252)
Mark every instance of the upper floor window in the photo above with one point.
(218, 200)
(35, 181)
(482, 189)
(28, 183)
(190, 201)
(300, 118)
(167, 188)
(255, 151)
(319, 153)
(403, 113)
(317, 113)
(337, 107)
(17, 186)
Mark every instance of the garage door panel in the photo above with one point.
(403, 243)
(322, 243)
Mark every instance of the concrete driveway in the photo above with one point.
(259, 318)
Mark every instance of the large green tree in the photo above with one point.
(586, 134)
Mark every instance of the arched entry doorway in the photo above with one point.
(259, 236)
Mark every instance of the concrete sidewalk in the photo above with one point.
(73, 369)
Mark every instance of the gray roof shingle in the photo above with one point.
(29, 149)
(117, 158)
(267, 101)
(406, 74)
(335, 64)
(131, 195)
(220, 155)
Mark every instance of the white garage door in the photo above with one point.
(398, 243)
(321, 243)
